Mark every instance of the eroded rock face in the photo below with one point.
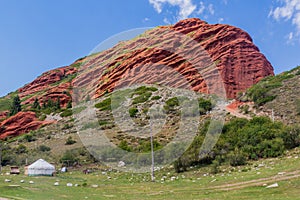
(50, 85)
(20, 123)
(3, 115)
(148, 59)
(155, 57)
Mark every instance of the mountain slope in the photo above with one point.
(231, 49)
(277, 97)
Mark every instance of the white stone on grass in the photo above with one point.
(275, 185)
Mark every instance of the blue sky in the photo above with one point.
(38, 35)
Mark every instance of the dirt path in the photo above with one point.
(234, 110)
(236, 113)
(258, 182)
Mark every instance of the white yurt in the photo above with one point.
(41, 168)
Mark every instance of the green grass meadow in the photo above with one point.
(247, 182)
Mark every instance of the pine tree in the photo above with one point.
(16, 106)
(57, 104)
(44, 105)
(50, 103)
(36, 104)
(69, 105)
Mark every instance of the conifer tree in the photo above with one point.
(36, 104)
(16, 106)
(57, 104)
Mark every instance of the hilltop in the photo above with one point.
(230, 49)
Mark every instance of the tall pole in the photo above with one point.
(0, 156)
(152, 154)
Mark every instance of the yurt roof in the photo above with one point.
(41, 164)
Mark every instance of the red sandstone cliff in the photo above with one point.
(20, 123)
(152, 57)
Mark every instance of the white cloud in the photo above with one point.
(220, 20)
(211, 9)
(186, 7)
(146, 19)
(166, 21)
(289, 11)
(291, 36)
(201, 8)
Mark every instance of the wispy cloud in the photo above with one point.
(186, 8)
(289, 11)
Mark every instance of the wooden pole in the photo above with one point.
(0, 156)
(152, 154)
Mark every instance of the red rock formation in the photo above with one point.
(50, 85)
(3, 115)
(160, 56)
(149, 59)
(20, 123)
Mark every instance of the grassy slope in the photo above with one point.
(190, 185)
(280, 93)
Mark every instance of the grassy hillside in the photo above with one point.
(247, 182)
(280, 94)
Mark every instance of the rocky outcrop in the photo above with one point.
(3, 115)
(150, 59)
(190, 54)
(50, 85)
(20, 123)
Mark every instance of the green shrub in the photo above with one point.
(142, 98)
(171, 104)
(103, 122)
(215, 167)
(156, 98)
(29, 137)
(44, 148)
(180, 166)
(66, 113)
(124, 145)
(237, 158)
(69, 157)
(204, 106)
(144, 89)
(104, 105)
(70, 141)
(21, 149)
(133, 111)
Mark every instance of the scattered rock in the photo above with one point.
(273, 185)
(69, 184)
(281, 173)
(121, 164)
(7, 180)
(56, 183)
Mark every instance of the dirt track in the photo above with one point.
(259, 182)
